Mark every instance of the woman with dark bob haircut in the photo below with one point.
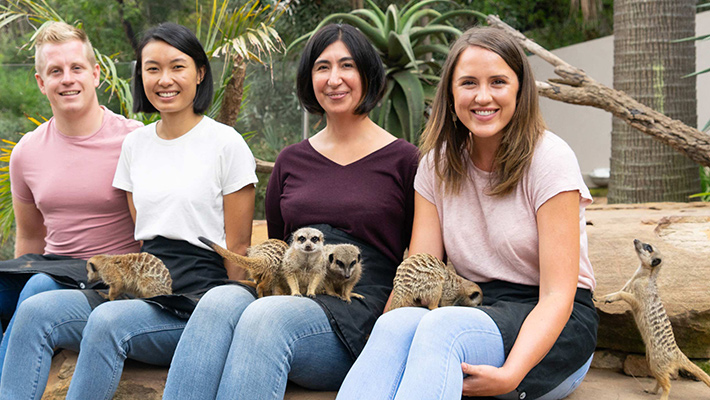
(184, 176)
(354, 182)
(503, 199)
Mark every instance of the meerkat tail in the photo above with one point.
(696, 371)
(247, 262)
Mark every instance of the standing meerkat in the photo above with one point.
(343, 271)
(139, 274)
(303, 266)
(662, 353)
(262, 262)
(424, 280)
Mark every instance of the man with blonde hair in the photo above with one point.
(65, 207)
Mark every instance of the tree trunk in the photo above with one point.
(649, 68)
(127, 27)
(233, 92)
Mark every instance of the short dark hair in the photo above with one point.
(184, 40)
(372, 73)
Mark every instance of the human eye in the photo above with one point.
(499, 82)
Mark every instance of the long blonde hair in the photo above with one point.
(449, 139)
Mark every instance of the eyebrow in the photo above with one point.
(490, 77)
(323, 61)
(174, 60)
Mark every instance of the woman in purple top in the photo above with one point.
(353, 181)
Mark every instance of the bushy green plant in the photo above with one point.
(411, 41)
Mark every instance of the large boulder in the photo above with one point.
(682, 233)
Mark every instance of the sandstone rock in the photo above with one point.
(636, 365)
(605, 359)
(682, 232)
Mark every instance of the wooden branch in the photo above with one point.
(576, 87)
(264, 166)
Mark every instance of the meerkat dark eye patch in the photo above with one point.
(474, 295)
(655, 262)
(315, 239)
(301, 239)
(648, 248)
(339, 263)
(352, 264)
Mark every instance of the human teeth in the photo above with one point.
(167, 94)
(70, 93)
(484, 113)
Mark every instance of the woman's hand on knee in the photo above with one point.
(486, 380)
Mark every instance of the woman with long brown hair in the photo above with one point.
(503, 199)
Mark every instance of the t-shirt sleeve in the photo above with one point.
(272, 201)
(425, 180)
(122, 178)
(18, 185)
(555, 170)
(238, 165)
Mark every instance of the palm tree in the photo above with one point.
(649, 66)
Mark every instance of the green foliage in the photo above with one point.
(411, 42)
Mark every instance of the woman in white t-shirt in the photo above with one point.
(503, 199)
(185, 176)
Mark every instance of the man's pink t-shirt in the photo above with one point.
(495, 238)
(68, 178)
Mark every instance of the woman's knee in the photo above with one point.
(223, 301)
(39, 283)
(401, 321)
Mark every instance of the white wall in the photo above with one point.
(588, 129)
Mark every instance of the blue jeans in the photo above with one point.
(25, 286)
(104, 337)
(410, 343)
(235, 347)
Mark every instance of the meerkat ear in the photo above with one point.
(655, 262)
(92, 267)
(330, 258)
(359, 257)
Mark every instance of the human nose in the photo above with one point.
(165, 79)
(483, 95)
(67, 77)
(334, 79)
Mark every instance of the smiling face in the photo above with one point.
(484, 88)
(336, 80)
(170, 78)
(67, 77)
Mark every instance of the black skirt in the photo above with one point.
(65, 270)
(194, 271)
(508, 304)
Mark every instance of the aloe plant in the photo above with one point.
(410, 41)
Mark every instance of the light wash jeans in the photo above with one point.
(104, 338)
(235, 347)
(410, 343)
(25, 286)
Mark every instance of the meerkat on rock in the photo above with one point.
(343, 270)
(139, 274)
(424, 280)
(303, 267)
(641, 293)
(262, 262)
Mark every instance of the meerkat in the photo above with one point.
(262, 261)
(139, 274)
(303, 265)
(641, 293)
(424, 280)
(343, 271)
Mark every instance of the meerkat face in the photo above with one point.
(308, 240)
(92, 272)
(471, 295)
(650, 257)
(343, 259)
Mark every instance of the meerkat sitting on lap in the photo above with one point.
(303, 267)
(424, 280)
(139, 274)
(262, 262)
(641, 293)
(344, 268)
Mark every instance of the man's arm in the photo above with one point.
(30, 231)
